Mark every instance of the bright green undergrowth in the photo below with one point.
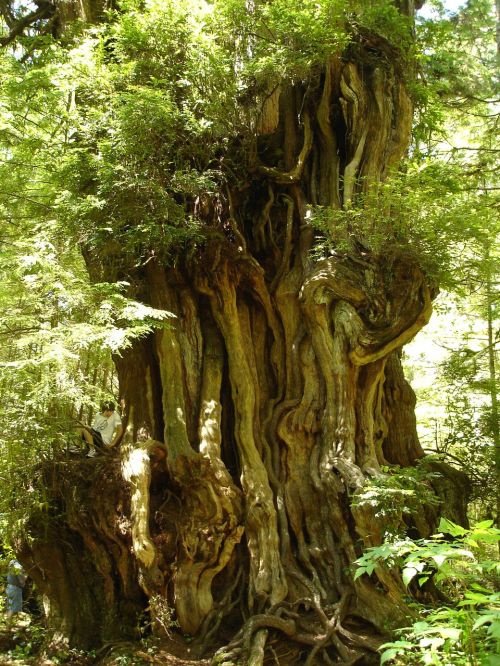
(463, 564)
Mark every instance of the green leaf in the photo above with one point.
(387, 655)
(448, 527)
(494, 629)
(484, 619)
(420, 626)
(439, 560)
(484, 524)
(408, 574)
(431, 641)
(493, 660)
(450, 633)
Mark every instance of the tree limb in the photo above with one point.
(293, 176)
(45, 10)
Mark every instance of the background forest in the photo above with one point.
(118, 131)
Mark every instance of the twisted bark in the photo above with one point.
(277, 390)
(273, 376)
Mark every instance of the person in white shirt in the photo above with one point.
(106, 429)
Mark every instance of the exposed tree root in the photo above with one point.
(320, 629)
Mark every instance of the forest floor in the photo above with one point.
(21, 644)
(24, 643)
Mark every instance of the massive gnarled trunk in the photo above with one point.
(274, 394)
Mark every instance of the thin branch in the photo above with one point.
(23, 164)
(18, 196)
(479, 189)
(289, 177)
(460, 461)
(478, 99)
(18, 331)
(6, 12)
(45, 10)
(485, 150)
